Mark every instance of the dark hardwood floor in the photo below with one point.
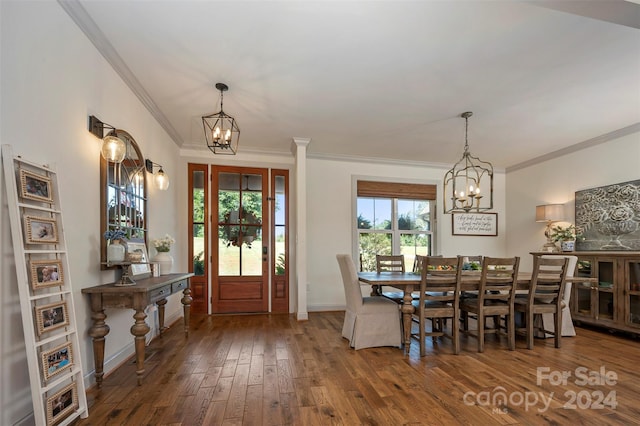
(274, 370)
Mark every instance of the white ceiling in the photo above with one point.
(384, 79)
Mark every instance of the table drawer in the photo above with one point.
(179, 286)
(160, 293)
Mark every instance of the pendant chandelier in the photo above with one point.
(468, 186)
(220, 129)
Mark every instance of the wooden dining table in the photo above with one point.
(409, 282)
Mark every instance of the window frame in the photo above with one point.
(394, 231)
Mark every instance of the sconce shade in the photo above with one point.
(550, 213)
(220, 129)
(468, 186)
(162, 180)
(113, 149)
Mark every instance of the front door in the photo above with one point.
(240, 273)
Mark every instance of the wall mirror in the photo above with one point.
(123, 195)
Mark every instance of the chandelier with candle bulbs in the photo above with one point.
(220, 129)
(468, 186)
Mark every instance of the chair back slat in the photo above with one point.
(498, 279)
(440, 279)
(548, 279)
(390, 263)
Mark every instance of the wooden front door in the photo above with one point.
(239, 237)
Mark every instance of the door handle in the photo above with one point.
(265, 250)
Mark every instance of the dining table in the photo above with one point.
(409, 282)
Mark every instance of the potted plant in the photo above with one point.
(566, 235)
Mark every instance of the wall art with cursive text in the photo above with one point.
(482, 224)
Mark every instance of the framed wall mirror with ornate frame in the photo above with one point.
(123, 195)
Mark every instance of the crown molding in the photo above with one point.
(89, 27)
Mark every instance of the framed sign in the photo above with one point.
(483, 224)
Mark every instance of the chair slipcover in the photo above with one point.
(567, 322)
(368, 321)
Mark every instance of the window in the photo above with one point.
(394, 225)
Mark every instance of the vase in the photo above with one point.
(115, 252)
(568, 245)
(165, 261)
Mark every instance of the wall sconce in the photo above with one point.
(113, 148)
(161, 178)
(549, 213)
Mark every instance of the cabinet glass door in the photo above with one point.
(605, 290)
(582, 297)
(633, 300)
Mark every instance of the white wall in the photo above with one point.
(556, 181)
(52, 78)
(330, 220)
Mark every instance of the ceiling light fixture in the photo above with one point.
(161, 178)
(468, 182)
(113, 148)
(220, 129)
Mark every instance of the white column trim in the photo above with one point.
(301, 145)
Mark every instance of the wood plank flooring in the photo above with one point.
(274, 370)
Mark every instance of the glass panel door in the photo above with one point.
(240, 283)
(198, 232)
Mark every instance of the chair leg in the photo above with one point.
(510, 322)
(481, 321)
(530, 328)
(465, 320)
(455, 334)
(557, 317)
(422, 333)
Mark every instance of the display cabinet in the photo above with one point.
(612, 298)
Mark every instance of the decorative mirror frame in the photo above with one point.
(131, 179)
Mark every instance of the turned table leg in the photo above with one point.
(186, 306)
(140, 330)
(407, 312)
(161, 303)
(98, 331)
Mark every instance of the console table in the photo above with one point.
(136, 297)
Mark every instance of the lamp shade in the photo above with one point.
(550, 213)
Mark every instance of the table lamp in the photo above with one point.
(549, 213)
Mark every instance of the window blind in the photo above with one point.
(411, 191)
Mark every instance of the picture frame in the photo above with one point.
(476, 224)
(46, 273)
(57, 360)
(142, 268)
(61, 403)
(51, 317)
(35, 187)
(41, 230)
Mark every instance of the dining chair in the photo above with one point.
(390, 263)
(544, 297)
(496, 294)
(567, 329)
(439, 299)
(369, 321)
